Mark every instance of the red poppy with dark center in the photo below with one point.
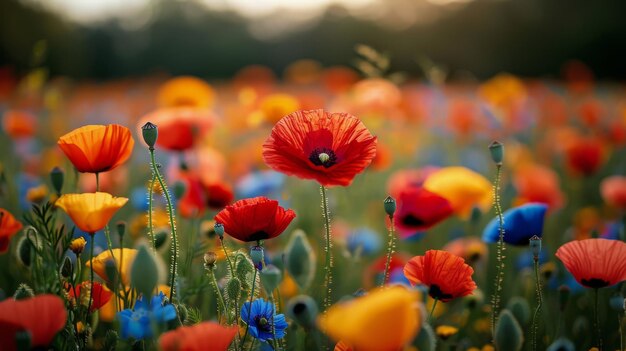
(101, 295)
(9, 226)
(206, 336)
(219, 195)
(446, 275)
(331, 148)
(43, 316)
(419, 210)
(255, 219)
(595, 263)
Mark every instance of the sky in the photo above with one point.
(88, 11)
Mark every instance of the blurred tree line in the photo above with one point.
(529, 38)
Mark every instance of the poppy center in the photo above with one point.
(411, 220)
(323, 156)
(435, 292)
(594, 283)
(260, 235)
(263, 323)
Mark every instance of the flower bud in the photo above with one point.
(121, 229)
(520, 309)
(535, 247)
(300, 260)
(179, 190)
(209, 259)
(497, 152)
(144, 274)
(303, 310)
(219, 230)
(67, 268)
(390, 206)
(256, 254)
(617, 302)
(508, 333)
(562, 344)
(233, 289)
(23, 291)
(161, 238)
(23, 251)
(270, 278)
(150, 133)
(56, 178)
(78, 245)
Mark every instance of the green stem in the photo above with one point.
(170, 211)
(220, 298)
(432, 310)
(91, 244)
(245, 335)
(495, 300)
(276, 342)
(597, 320)
(539, 304)
(150, 210)
(621, 332)
(232, 274)
(390, 248)
(328, 267)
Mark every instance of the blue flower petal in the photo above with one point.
(520, 224)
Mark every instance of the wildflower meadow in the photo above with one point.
(333, 208)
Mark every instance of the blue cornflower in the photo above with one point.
(260, 183)
(364, 239)
(137, 322)
(259, 317)
(520, 224)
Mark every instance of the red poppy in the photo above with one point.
(419, 210)
(180, 127)
(193, 202)
(206, 336)
(43, 316)
(96, 148)
(595, 263)
(446, 275)
(536, 183)
(19, 124)
(255, 219)
(9, 226)
(585, 155)
(373, 273)
(101, 295)
(613, 190)
(219, 195)
(331, 148)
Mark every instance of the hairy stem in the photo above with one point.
(245, 335)
(495, 299)
(539, 304)
(150, 211)
(328, 266)
(391, 245)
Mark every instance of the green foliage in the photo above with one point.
(508, 333)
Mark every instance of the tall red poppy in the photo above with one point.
(446, 275)
(101, 295)
(96, 148)
(420, 209)
(255, 219)
(595, 263)
(206, 336)
(219, 195)
(43, 316)
(331, 148)
(9, 226)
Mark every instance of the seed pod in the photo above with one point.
(508, 333)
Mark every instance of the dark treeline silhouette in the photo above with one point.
(529, 38)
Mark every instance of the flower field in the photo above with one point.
(328, 209)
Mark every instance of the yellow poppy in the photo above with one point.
(446, 331)
(90, 211)
(385, 319)
(463, 188)
(277, 106)
(126, 256)
(186, 91)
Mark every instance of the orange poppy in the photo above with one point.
(18, 124)
(339, 79)
(464, 188)
(276, 106)
(613, 190)
(595, 263)
(90, 211)
(206, 336)
(96, 148)
(9, 226)
(446, 275)
(536, 183)
(43, 316)
(126, 256)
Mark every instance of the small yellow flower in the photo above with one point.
(277, 106)
(488, 348)
(446, 331)
(547, 270)
(37, 194)
(78, 245)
